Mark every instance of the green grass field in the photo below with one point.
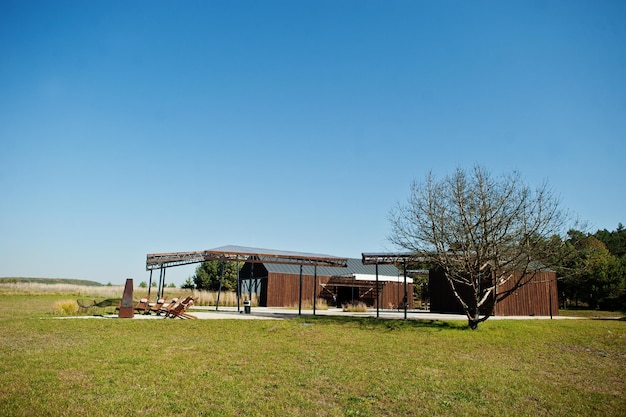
(311, 366)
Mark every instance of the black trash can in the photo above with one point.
(246, 306)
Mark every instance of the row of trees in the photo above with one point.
(594, 273)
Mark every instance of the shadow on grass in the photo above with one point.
(379, 323)
(622, 318)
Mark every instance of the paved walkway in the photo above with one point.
(275, 313)
(269, 313)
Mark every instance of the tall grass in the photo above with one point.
(65, 307)
(86, 292)
(32, 288)
(226, 298)
(307, 304)
(358, 307)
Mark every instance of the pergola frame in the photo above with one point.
(236, 254)
(394, 258)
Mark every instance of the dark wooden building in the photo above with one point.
(539, 297)
(278, 285)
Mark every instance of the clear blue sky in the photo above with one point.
(134, 127)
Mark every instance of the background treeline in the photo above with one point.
(50, 281)
(593, 271)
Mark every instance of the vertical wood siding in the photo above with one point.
(539, 297)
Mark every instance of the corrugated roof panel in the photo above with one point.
(246, 250)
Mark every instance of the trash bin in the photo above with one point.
(246, 306)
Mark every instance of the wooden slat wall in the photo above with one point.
(393, 293)
(283, 290)
(533, 299)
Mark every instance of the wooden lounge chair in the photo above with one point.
(142, 306)
(165, 308)
(180, 310)
(156, 308)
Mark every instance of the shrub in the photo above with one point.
(65, 307)
(358, 307)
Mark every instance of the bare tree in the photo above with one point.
(481, 231)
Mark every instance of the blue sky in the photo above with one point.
(137, 127)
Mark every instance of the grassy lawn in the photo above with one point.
(312, 366)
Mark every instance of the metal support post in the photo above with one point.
(163, 287)
(219, 291)
(159, 294)
(238, 289)
(377, 295)
(314, 287)
(300, 299)
(150, 285)
(250, 282)
(406, 298)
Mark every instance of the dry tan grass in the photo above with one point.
(202, 298)
(227, 298)
(32, 288)
(358, 307)
(65, 307)
(320, 304)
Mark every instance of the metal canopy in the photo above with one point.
(244, 254)
(233, 253)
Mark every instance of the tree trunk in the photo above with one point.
(473, 317)
(472, 323)
(473, 311)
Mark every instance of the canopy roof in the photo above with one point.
(244, 254)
